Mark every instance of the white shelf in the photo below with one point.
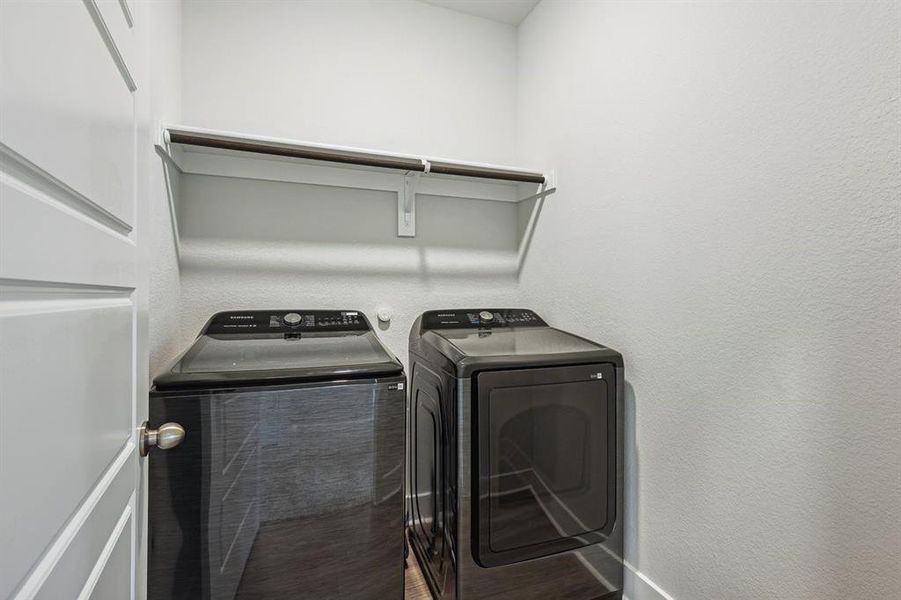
(200, 151)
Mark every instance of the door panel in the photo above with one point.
(100, 530)
(114, 580)
(68, 111)
(546, 460)
(114, 17)
(69, 349)
(71, 398)
(34, 220)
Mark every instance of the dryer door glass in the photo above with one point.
(546, 458)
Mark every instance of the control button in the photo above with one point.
(485, 315)
(291, 319)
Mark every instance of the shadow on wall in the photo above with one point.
(265, 226)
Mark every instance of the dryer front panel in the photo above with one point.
(544, 461)
(431, 466)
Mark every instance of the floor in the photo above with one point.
(415, 587)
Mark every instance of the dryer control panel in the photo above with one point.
(470, 318)
(286, 320)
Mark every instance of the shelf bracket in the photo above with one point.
(406, 204)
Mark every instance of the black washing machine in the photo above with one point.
(516, 458)
(289, 480)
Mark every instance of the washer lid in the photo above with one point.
(516, 341)
(271, 347)
(493, 338)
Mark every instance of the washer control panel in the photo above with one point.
(470, 318)
(283, 321)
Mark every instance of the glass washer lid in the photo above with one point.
(272, 352)
(516, 341)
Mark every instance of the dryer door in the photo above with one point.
(545, 461)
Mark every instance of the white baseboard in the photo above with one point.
(639, 586)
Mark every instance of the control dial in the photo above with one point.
(291, 319)
(486, 316)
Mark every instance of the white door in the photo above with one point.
(72, 374)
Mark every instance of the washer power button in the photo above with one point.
(291, 319)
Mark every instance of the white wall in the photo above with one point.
(165, 107)
(396, 75)
(728, 218)
(401, 76)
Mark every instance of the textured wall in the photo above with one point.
(281, 245)
(397, 75)
(165, 105)
(728, 218)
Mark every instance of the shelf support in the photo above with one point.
(170, 167)
(406, 204)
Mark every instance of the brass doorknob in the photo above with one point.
(169, 435)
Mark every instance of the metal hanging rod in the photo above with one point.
(446, 168)
(366, 158)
